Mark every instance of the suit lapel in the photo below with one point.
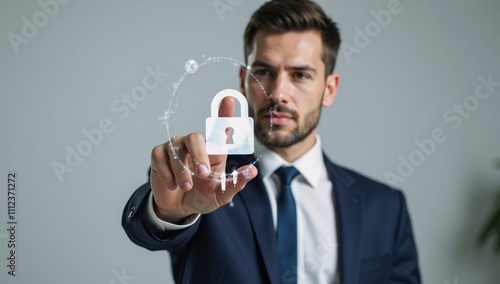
(348, 209)
(256, 201)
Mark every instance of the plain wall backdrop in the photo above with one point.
(406, 69)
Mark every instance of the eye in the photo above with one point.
(263, 73)
(301, 75)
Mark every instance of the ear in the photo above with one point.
(332, 83)
(242, 80)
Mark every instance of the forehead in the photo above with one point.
(287, 47)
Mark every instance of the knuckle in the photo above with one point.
(194, 138)
(157, 152)
(173, 140)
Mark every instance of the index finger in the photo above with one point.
(227, 106)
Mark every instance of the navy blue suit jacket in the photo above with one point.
(236, 243)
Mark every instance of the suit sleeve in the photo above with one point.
(135, 225)
(405, 259)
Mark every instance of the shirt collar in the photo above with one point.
(307, 164)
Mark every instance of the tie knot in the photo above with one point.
(286, 174)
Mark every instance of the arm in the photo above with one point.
(137, 229)
(178, 192)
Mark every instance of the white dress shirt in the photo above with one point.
(316, 224)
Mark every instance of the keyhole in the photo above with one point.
(229, 135)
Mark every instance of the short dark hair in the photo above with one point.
(280, 16)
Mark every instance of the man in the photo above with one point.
(294, 217)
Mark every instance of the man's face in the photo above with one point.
(289, 67)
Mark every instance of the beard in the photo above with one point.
(268, 135)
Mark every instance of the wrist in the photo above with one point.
(177, 218)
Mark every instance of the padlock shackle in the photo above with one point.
(229, 93)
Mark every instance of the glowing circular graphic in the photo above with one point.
(190, 107)
(191, 66)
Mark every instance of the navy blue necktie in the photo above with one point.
(286, 235)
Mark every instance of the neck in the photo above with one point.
(298, 149)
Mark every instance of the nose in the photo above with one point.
(280, 90)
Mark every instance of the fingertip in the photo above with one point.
(172, 186)
(248, 172)
(227, 107)
(202, 171)
(252, 171)
(186, 186)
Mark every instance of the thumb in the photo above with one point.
(235, 183)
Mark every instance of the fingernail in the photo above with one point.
(202, 169)
(172, 185)
(186, 185)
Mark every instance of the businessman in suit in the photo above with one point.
(291, 216)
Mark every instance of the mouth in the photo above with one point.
(276, 115)
(278, 118)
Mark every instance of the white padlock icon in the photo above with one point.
(229, 135)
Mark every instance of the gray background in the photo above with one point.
(395, 90)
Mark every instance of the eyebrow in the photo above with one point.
(260, 63)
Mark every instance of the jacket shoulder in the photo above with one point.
(361, 183)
